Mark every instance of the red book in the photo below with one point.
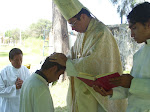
(101, 80)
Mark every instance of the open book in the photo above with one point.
(101, 80)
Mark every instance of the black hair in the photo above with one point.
(13, 52)
(83, 11)
(48, 64)
(140, 13)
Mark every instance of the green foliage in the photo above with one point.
(124, 6)
(40, 29)
(13, 34)
(24, 35)
(8, 33)
(126, 72)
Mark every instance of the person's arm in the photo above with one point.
(18, 83)
(5, 91)
(124, 80)
(117, 92)
(114, 93)
(137, 86)
(27, 73)
(140, 87)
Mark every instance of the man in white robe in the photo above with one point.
(35, 95)
(11, 79)
(136, 87)
(94, 52)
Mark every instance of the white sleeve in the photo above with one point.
(27, 73)
(9, 91)
(71, 71)
(140, 87)
(119, 93)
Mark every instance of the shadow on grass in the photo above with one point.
(4, 54)
(61, 109)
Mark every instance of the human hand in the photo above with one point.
(102, 91)
(124, 80)
(59, 58)
(18, 83)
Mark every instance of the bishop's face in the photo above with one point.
(79, 25)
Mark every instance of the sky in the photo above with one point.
(22, 13)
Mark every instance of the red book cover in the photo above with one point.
(102, 81)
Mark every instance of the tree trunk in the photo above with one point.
(60, 33)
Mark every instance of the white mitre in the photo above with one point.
(68, 8)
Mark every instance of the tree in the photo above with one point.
(60, 32)
(13, 34)
(124, 6)
(37, 29)
(8, 33)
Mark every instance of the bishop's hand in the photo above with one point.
(59, 58)
(102, 91)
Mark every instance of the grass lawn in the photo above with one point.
(59, 95)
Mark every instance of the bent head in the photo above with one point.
(15, 57)
(52, 70)
(139, 22)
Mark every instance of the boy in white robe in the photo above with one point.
(11, 80)
(136, 85)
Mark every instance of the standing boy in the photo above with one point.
(11, 80)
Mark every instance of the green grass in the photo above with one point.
(3, 54)
(126, 72)
(59, 95)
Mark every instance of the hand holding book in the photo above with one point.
(124, 80)
(102, 91)
(101, 80)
